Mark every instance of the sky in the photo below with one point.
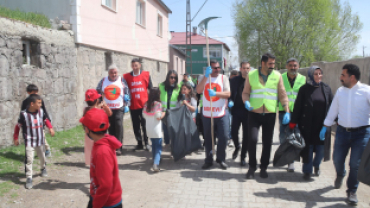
(223, 29)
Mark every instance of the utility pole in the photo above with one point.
(188, 62)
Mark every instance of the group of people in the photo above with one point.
(251, 99)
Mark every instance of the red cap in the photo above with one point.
(91, 95)
(95, 120)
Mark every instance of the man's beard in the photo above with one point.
(269, 70)
(292, 72)
(344, 84)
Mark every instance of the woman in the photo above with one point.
(310, 109)
(187, 97)
(169, 92)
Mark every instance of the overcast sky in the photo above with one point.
(223, 28)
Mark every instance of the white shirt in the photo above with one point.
(351, 106)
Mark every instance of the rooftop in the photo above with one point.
(179, 38)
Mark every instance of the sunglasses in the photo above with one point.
(217, 68)
(172, 77)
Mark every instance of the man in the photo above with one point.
(292, 82)
(238, 111)
(262, 89)
(351, 105)
(233, 73)
(116, 95)
(219, 93)
(187, 80)
(139, 82)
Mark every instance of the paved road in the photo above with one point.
(184, 184)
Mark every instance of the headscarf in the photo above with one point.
(310, 74)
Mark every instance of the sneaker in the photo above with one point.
(118, 152)
(317, 171)
(155, 168)
(250, 173)
(352, 199)
(236, 152)
(44, 173)
(307, 176)
(338, 182)
(148, 148)
(139, 147)
(291, 167)
(206, 166)
(47, 153)
(29, 183)
(230, 143)
(263, 173)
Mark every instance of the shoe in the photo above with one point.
(47, 153)
(291, 168)
(317, 171)
(118, 152)
(223, 165)
(44, 173)
(139, 147)
(250, 173)
(352, 199)
(206, 166)
(29, 183)
(230, 144)
(338, 182)
(155, 168)
(263, 173)
(148, 148)
(307, 176)
(242, 162)
(236, 152)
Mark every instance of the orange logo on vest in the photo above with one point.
(112, 92)
(216, 87)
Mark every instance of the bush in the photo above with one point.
(30, 17)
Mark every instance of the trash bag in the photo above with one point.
(364, 168)
(182, 131)
(291, 148)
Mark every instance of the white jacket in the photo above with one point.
(153, 126)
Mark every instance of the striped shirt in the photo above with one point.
(32, 127)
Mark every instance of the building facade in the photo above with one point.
(177, 60)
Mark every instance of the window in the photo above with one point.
(108, 59)
(111, 4)
(213, 52)
(140, 12)
(30, 53)
(159, 25)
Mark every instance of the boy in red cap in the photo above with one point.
(105, 186)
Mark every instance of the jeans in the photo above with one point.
(240, 118)
(116, 124)
(165, 134)
(255, 121)
(230, 119)
(282, 135)
(137, 120)
(156, 149)
(356, 141)
(319, 155)
(221, 127)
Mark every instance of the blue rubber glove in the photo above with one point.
(208, 71)
(286, 118)
(126, 109)
(211, 93)
(248, 106)
(126, 98)
(231, 104)
(322, 133)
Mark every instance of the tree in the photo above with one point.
(309, 30)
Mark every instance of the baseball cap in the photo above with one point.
(95, 120)
(91, 95)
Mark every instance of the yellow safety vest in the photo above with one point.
(264, 95)
(163, 97)
(292, 93)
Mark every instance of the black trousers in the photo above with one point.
(116, 124)
(139, 124)
(240, 117)
(267, 121)
(90, 205)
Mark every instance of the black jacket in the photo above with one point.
(303, 115)
(236, 88)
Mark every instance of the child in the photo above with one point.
(33, 89)
(92, 101)
(105, 186)
(152, 112)
(186, 97)
(32, 123)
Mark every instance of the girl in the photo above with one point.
(152, 112)
(186, 97)
(92, 99)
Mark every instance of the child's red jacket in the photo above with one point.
(105, 186)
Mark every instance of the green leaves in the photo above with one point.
(309, 30)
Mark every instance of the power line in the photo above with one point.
(199, 10)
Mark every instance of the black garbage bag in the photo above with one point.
(290, 150)
(182, 131)
(364, 168)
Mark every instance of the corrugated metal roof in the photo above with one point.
(179, 38)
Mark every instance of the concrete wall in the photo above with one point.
(50, 8)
